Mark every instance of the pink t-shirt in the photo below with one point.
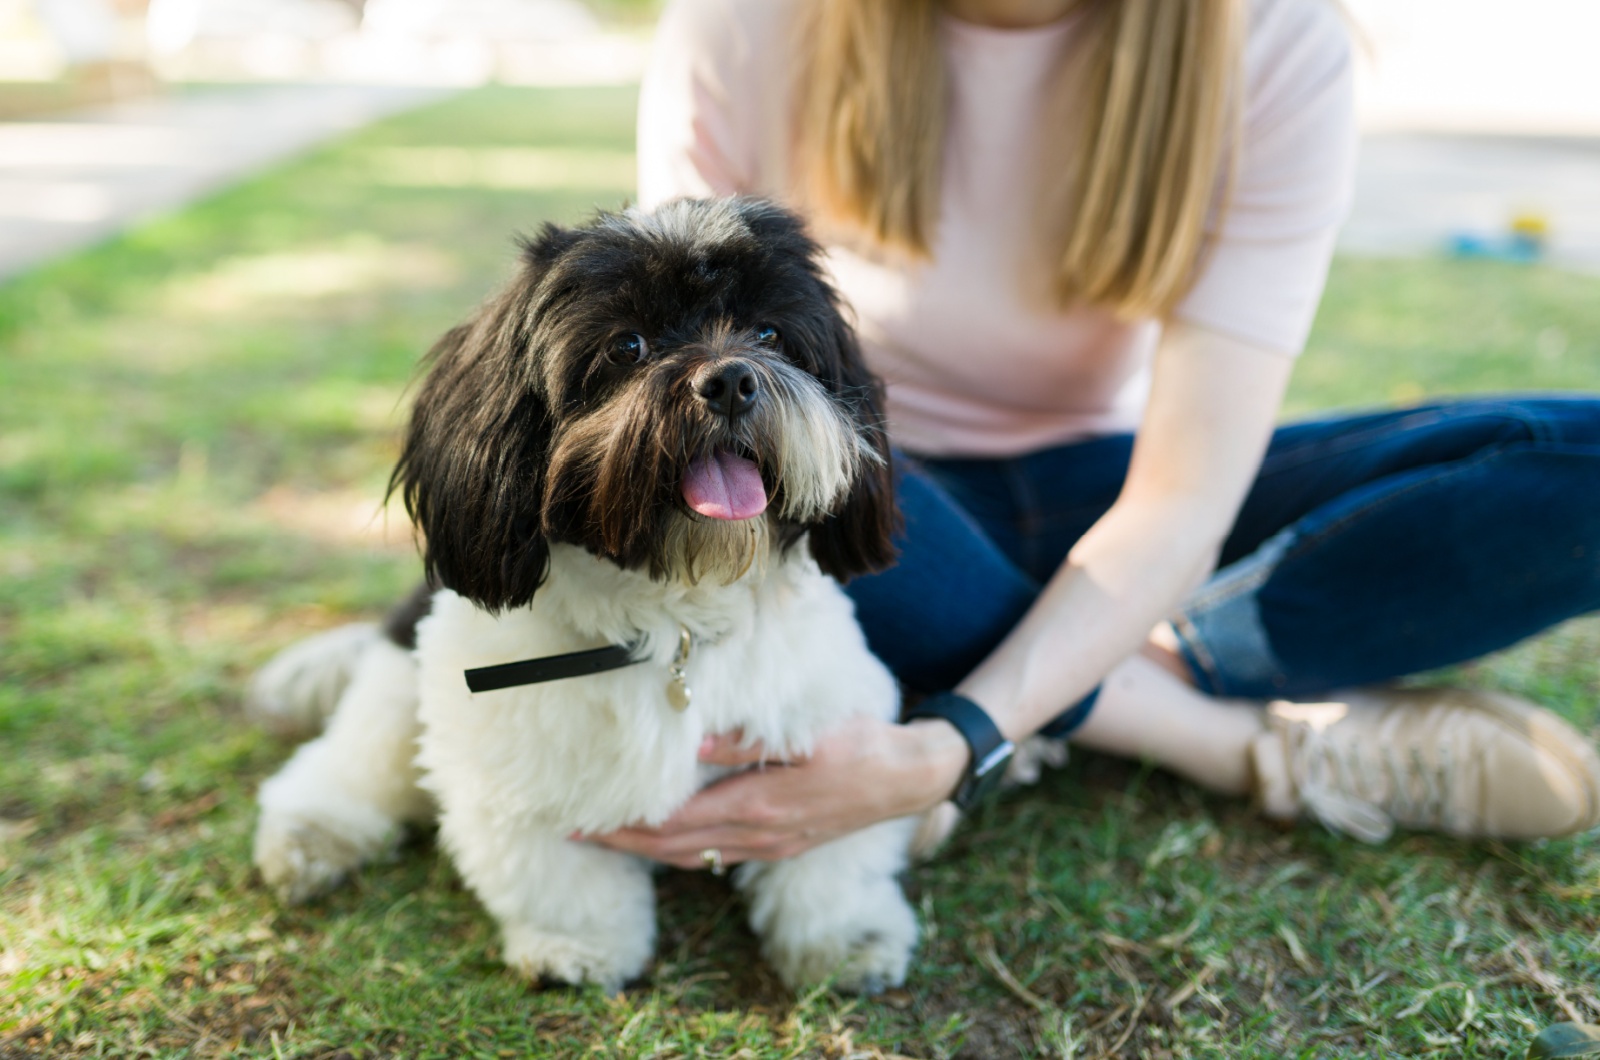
(976, 360)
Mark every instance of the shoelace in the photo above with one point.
(1338, 782)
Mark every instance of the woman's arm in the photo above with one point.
(1211, 413)
(1213, 404)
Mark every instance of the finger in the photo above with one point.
(641, 842)
(649, 846)
(730, 854)
(778, 850)
(743, 813)
(710, 819)
(744, 804)
(645, 842)
(735, 846)
(686, 847)
(729, 749)
(686, 851)
(758, 803)
(673, 840)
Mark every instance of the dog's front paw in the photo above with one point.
(862, 941)
(547, 956)
(301, 856)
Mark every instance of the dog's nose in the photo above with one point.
(729, 389)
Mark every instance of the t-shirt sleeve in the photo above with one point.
(1267, 254)
(692, 139)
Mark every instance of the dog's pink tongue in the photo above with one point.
(723, 485)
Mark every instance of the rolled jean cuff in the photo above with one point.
(1067, 722)
(1220, 632)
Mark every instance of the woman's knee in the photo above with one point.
(1548, 419)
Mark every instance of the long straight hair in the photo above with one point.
(1141, 126)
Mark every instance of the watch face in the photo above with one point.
(995, 760)
(985, 777)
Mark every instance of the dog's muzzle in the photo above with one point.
(729, 388)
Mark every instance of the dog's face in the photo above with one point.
(673, 391)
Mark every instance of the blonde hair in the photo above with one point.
(1140, 128)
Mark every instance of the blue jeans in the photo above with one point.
(1369, 547)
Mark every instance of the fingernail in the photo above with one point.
(575, 836)
(707, 745)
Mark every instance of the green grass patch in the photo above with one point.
(197, 425)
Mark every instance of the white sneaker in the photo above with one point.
(1444, 759)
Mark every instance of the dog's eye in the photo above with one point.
(631, 349)
(767, 335)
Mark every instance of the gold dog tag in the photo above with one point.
(678, 693)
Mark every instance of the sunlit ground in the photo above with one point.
(196, 426)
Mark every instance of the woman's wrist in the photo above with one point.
(939, 756)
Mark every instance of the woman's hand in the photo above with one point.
(858, 774)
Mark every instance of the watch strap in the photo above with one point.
(990, 749)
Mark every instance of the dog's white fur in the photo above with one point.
(296, 692)
(343, 797)
(511, 774)
(777, 654)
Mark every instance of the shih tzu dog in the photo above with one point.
(638, 471)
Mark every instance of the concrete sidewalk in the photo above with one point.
(74, 180)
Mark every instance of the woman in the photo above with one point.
(1085, 240)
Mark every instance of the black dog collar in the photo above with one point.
(582, 664)
(551, 668)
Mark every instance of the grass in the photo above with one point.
(197, 422)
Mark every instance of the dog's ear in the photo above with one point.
(471, 467)
(541, 251)
(858, 538)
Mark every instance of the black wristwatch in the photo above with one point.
(991, 751)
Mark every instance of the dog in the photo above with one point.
(658, 444)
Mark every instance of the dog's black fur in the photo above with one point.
(545, 418)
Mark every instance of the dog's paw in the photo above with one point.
(861, 945)
(545, 956)
(295, 692)
(1032, 757)
(933, 828)
(301, 857)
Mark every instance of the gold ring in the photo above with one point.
(713, 860)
